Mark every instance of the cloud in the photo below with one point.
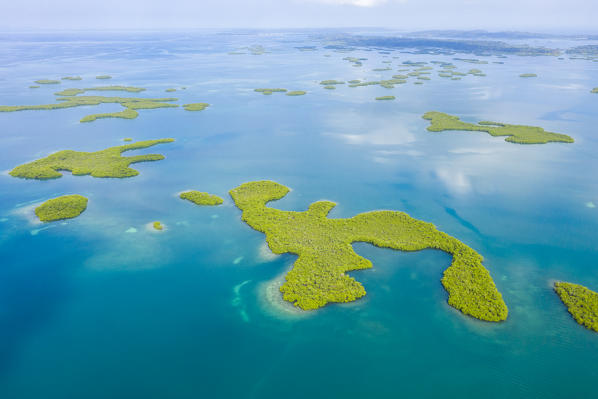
(455, 181)
(358, 3)
(391, 136)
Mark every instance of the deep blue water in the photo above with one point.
(90, 310)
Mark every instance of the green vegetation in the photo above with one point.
(331, 82)
(471, 60)
(72, 78)
(65, 207)
(581, 302)
(104, 77)
(104, 163)
(594, 90)
(388, 84)
(126, 114)
(381, 69)
(69, 92)
(158, 226)
(370, 83)
(474, 71)
(354, 81)
(47, 82)
(196, 106)
(268, 92)
(170, 90)
(34, 87)
(330, 87)
(325, 253)
(74, 92)
(200, 198)
(127, 139)
(356, 61)
(516, 133)
(130, 104)
(528, 75)
(296, 93)
(385, 98)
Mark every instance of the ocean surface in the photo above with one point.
(101, 306)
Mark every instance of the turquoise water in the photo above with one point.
(100, 306)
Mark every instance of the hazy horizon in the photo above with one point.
(574, 16)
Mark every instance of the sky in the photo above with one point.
(523, 15)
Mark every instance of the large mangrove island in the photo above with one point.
(325, 254)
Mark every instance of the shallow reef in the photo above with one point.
(581, 302)
(325, 253)
(519, 134)
(201, 198)
(65, 207)
(104, 163)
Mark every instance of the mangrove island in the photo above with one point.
(581, 302)
(519, 134)
(104, 163)
(65, 207)
(325, 253)
(201, 198)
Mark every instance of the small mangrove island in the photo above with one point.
(65, 207)
(103, 77)
(268, 92)
(331, 82)
(296, 93)
(195, 106)
(519, 134)
(104, 163)
(386, 98)
(158, 226)
(74, 92)
(581, 302)
(201, 198)
(325, 253)
(70, 99)
(528, 75)
(47, 82)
